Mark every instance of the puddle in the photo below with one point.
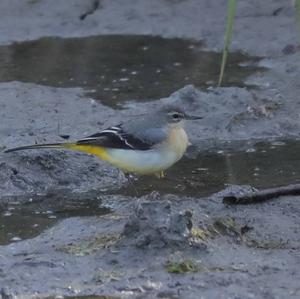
(118, 68)
(27, 221)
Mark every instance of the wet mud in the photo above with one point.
(73, 226)
(181, 248)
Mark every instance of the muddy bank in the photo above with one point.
(162, 247)
(270, 24)
(28, 110)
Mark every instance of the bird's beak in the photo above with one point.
(192, 117)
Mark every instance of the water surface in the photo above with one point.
(118, 68)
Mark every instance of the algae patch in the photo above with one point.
(182, 267)
(104, 241)
(192, 266)
(220, 227)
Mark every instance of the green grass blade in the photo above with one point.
(228, 35)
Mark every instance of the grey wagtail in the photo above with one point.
(146, 145)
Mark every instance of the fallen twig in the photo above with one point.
(263, 195)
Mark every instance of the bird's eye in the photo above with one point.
(176, 115)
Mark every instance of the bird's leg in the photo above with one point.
(160, 174)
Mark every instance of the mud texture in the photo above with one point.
(229, 252)
(145, 238)
(261, 28)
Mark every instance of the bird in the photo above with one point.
(144, 145)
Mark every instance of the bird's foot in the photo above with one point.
(160, 174)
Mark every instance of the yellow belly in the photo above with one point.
(141, 162)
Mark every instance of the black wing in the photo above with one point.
(116, 137)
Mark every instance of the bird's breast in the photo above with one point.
(177, 141)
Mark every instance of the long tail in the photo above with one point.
(37, 146)
(96, 150)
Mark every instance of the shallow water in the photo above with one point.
(19, 222)
(200, 174)
(118, 68)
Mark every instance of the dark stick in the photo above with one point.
(263, 195)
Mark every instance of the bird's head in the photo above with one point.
(173, 115)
